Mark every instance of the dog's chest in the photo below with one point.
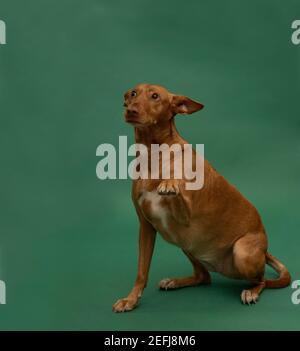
(156, 211)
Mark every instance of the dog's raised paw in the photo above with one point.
(167, 283)
(168, 188)
(249, 297)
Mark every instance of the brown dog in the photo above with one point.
(215, 226)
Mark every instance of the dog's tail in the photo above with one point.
(284, 278)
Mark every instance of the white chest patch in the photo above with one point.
(157, 210)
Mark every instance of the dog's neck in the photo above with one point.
(161, 133)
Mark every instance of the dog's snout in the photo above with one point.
(132, 111)
(132, 114)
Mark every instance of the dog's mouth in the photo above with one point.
(132, 119)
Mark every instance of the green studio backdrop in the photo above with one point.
(68, 241)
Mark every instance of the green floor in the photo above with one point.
(68, 241)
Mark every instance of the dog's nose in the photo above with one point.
(132, 111)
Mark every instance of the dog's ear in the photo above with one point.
(184, 105)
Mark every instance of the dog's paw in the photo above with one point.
(124, 305)
(167, 283)
(249, 297)
(168, 187)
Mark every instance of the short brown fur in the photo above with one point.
(216, 226)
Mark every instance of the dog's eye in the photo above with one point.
(133, 93)
(155, 96)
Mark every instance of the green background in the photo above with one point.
(68, 241)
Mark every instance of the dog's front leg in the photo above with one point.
(146, 246)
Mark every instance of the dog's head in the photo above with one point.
(148, 104)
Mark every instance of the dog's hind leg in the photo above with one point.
(200, 276)
(249, 257)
